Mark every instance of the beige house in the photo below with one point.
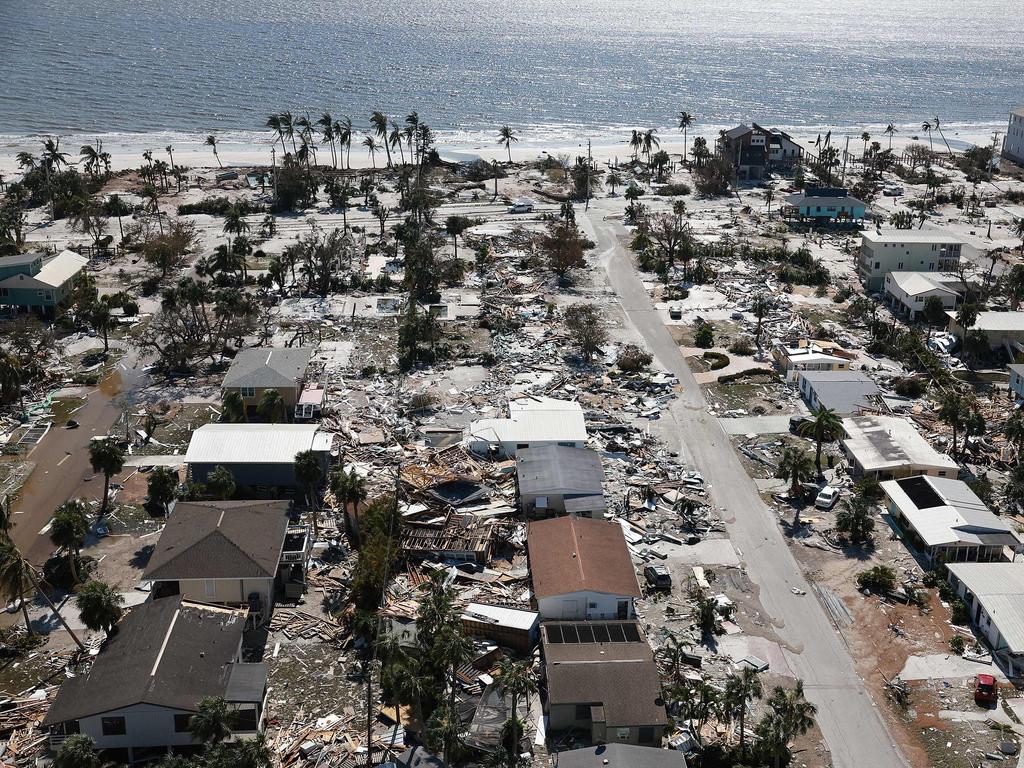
(228, 552)
(1002, 329)
(807, 356)
(890, 447)
(257, 369)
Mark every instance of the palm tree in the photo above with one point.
(163, 486)
(213, 722)
(636, 143)
(371, 146)
(343, 133)
(954, 410)
(796, 467)
(52, 155)
(271, 407)
(926, 126)
(18, 577)
(170, 153)
(10, 378)
(673, 656)
(233, 407)
(396, 139)
(769, 195)
(309, 473)
(865, 137)
(211, 141)
(791, 716)
(455, 225)
(78, 751)
(650, 142)
(515, 681)
(938, 127)
(506, 137)
(235, 225)
(613, 179)
(287, 128)
(220, 483)
(379, 123)
(891, 130)
(106, 457)
(26, 161)
(349, 488)
(68, 530)
(274, 124)
(99, 606)
(101, 319)
(742, 688)
(685, 121)
(825, 425)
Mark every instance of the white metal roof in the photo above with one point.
(534, 420)
(254, 443)
(960, 517)
(61, 268)
(999, 587)
(888, 442)
(514, 618)
(911, 236)
(916, 283)
(996, 321)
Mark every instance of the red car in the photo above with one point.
(985, 691)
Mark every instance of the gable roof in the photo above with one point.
(916, 283)
(996, 321)
(575, 554)
(220, 540)
(254, 443)
(557, 467)
(61, 268)
(999, 587)
(266, 368)
(842, 391)
(168, 653)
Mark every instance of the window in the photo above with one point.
(646, 734)
(622, 734)
(248, 391)
(113, 726)
(582, 711)
(899, 265)
(4, 292)
(182, 723)
(520, 446)
(210, 587)
(878, 264)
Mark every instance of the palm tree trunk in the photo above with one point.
(56, 613)
(24, 612)
(817, 455)
(743, 734)
(106, 494)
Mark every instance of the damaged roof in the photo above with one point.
(576, 554)
(220, 540)
(166, 653)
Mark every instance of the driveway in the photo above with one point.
(847, 716)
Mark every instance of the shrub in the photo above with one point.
(959, 612)
(881, 578)
(716, 360)
(677, 189)
(908, 386)
(742, 347)
(632, 359)
(218, 206)
(931, 579)
(704, 337)
(957, 645)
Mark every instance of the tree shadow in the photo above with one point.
(140, 558)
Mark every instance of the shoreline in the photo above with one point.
(239, 149)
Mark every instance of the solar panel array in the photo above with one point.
(592, 632)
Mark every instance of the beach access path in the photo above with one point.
(848, 717)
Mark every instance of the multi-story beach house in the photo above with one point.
(38, 281)
(1013, 142)
(905, 250)
(754, 151)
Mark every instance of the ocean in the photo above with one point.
(553, 69)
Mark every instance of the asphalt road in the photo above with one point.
(62, 468)
(847, 716)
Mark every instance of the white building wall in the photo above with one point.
(878, 258)
(145, 726)
(585, 605)
(1013, 142)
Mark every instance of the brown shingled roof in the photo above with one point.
(573, 554)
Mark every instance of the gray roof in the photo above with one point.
(20, 259)
(268, 367)
(168, 653)
(825, 200)
(419, 757)
(739, 130)
(220, 540)
(620, 756)
(845, 392)
(1017, 368)
(559, 468)
(999, 587)
(246, 682)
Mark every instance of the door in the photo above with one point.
(571, 609)
(623, 609)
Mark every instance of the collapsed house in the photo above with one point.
(138, 699)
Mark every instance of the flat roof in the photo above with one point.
(559, 468)
(911, 236)
(621, 756)
(842, 391)
(945, 512)
(538, 419)
(254, 443)
(999, 587)
(888, 442)
(500, 615)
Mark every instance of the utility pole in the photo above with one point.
(992, 160)
(586, 207)
(845, 153)
(273, 164)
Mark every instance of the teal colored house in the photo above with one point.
(824, 206)
(38, 281)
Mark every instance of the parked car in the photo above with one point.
(827, 497)
(658, 576)
(675, 312)
(521, 206)
(985, 690)
(795, 422)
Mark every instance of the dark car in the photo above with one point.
(658, 576)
